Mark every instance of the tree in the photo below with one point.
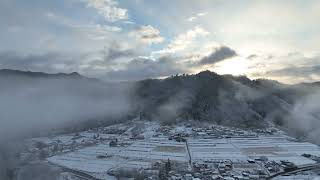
(40, 145)
(168, 166)
(162, 174)
(43, 154)
(55, 148)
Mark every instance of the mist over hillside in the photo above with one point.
(232, 101)
(32, 101)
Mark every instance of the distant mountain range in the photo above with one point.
(12, 73)
(207, 96)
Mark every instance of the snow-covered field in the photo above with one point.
(214, 149)
(141, 154)
(156, 149)
(86, 159)
(240, 149)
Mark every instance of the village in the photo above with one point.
(148, 150)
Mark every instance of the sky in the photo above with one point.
(120, 40)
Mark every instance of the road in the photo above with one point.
(189, 154)
(77, 173)
(80, 174)
(299, 169)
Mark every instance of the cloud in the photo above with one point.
(183, 40)
(115, 52)
(97, 31)
(147, 35)
(252, 56)
(193, 18)
(92, 31)
(141, 68)
(291, 68)
(108, 9)
(296, 71)
(45, 62)
(219, 54)
(42, 29)
(202, 14)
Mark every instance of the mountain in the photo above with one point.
(223, 99)
(206, 96)
(36, 102)
(29, 74)
(11, 72)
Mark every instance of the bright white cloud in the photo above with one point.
(193, 18)
(235, 66)
(147, 35)
(202, 14)
(182, 41)
(108, 9)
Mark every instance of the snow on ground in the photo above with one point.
(86, 159)
(65, 139)
(150, 129)
(138, 155)
(142, 153)
(182, 129)
(68, 139)
(298, 177)
(240, 149)
(156, 149)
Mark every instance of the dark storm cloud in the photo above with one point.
(219, 54)
(116, 51)
(113, 53)
(252, 56)
(141, 68)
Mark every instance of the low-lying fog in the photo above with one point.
(33, 104)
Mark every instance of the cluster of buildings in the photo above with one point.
(181, 152)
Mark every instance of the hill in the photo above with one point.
(229, 100)
(223, 99)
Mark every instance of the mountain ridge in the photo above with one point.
(206, 96)
(34, 74)
(243, 78)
